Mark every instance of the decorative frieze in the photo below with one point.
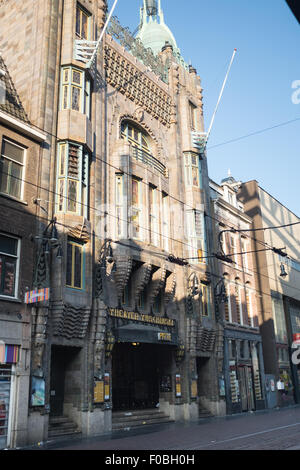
(69, 321)
(135, 85)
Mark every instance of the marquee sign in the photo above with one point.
(139, 317)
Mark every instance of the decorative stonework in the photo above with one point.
(123, 266)
(80, 233)
(205, 339)
(70, 322)
(157, 284)
(135, 85)
(140, 279)
(170, 289)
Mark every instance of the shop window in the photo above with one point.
(76, 91)
(73, 178)
(83, 23)
(12, 169)
(9, 265)
(75, 264)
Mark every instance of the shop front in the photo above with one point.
(9, 356)
(244, 372)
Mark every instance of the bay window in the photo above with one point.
(196, 236)
(76, 91)
(73, 178)
(193, 170)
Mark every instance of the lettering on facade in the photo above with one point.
(135, 316)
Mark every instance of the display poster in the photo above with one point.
(99, 392)
(194, 388)
(106, 387)
(178, 385)
(37, 391)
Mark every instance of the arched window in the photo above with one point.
(141, 146)
(135, 136)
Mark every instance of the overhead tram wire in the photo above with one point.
(114, 216)
(121, 243)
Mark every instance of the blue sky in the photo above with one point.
(259, 91)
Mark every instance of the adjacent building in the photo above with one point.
(20, 146)
(277, 279)
(243, 368)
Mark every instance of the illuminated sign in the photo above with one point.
(135, 316)
(164, 336)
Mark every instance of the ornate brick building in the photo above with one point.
(130, 323)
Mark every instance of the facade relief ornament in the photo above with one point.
(157, 284)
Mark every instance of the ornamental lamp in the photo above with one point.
(109, 344)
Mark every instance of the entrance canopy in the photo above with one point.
(145, 334)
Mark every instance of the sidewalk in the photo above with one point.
(260, 429)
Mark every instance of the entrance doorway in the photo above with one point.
(65, 378)
(135, 376)
(246, 388)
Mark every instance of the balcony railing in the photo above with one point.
(149, 160)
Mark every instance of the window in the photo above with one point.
(73, 177)
(249, 308)
(279, 321)
(136, 208)
(193, 169)
(227, 304)
(196, 236)
(82, 23)
(12, 169)
(76, 91)
(120, 211)
(193, 116)
(205, 300)
(9, 265)
(237, 296)
(140, 146)
(74, 277)
(153, 213)
(165, 221)
(245, 254)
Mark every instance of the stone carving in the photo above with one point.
(140, 279)
(170, 289)
(41, 275)
(129, 81)
(123, 267)
(136, 48)
(205, 339)
(80, 232)
(157, 283)
(69, 321)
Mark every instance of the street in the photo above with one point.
(277, 429)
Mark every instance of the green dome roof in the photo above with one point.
(153, 32)
(155, 35)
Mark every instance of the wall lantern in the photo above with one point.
(180, 353)
(109, 344)
(283, 272)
